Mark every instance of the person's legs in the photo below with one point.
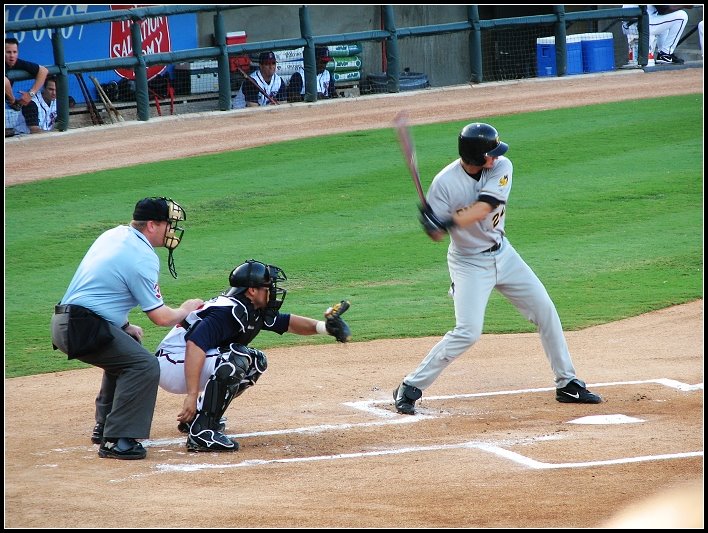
(520, 285)
(472, 282)
(473, 279)
(131, 378)
(668, 30)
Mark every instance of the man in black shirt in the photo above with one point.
(13, 62)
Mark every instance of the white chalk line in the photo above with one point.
(355, 455)
(401, 419)
(483, 446)
(394, 418)
(540, 465)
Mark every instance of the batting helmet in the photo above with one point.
(478, 140)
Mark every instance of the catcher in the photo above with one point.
(207, 356)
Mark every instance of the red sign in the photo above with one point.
(155, 34)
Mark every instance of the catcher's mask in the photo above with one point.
(253, 273)
(162, 209)
(478, 140)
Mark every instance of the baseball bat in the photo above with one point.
(90, 104)
(103, 99)
(260, 89)
(408, 149)
(110, 108)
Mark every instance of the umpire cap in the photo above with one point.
(152, 209)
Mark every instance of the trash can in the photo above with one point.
(407, 81)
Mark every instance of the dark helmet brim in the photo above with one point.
(499, 150)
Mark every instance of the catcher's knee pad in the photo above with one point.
(258, 365)
(228, 373)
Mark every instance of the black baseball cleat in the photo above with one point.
(574, 392)
(209, 440)
(121, 448)
(97, 434)
(672, 59)
(183, 427)
(405, 396)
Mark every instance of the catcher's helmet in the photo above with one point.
(253, 273)
(478, 140)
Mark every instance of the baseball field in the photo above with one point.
(607, 209)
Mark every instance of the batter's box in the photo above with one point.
(657, 418)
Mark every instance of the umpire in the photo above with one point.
(119, 272)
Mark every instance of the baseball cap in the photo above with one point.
(152, 209)
(266, 57)
(322, 52)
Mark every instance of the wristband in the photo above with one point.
(125, 326)
(321, 328)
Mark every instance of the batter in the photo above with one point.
(467, 199)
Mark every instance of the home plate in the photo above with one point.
(606, 419)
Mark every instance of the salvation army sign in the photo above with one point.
(155, 34)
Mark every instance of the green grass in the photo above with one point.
(606, 207)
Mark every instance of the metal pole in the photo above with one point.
(475, 44)
(223, 62)
(392, 64)
(141, 83)
(62, 123)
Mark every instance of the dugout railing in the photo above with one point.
(557, 23)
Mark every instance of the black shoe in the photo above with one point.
(663, 57)
(121, 448)
(209, 440)
(183, 427)
(97, 435)
(405, 397)
(574, 392)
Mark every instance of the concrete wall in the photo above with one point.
(444, 58)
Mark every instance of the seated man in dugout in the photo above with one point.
(263, 87)
(40, 114)
(325, 80)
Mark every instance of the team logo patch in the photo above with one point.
(504, 181)
(156, 289)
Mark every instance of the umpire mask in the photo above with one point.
(173, 235)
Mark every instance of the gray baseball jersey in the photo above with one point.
(453, 190)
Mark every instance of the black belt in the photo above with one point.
(493, 248)
(61, 309)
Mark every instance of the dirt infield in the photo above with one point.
(321, 445)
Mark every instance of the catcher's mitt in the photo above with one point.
(334, 324)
